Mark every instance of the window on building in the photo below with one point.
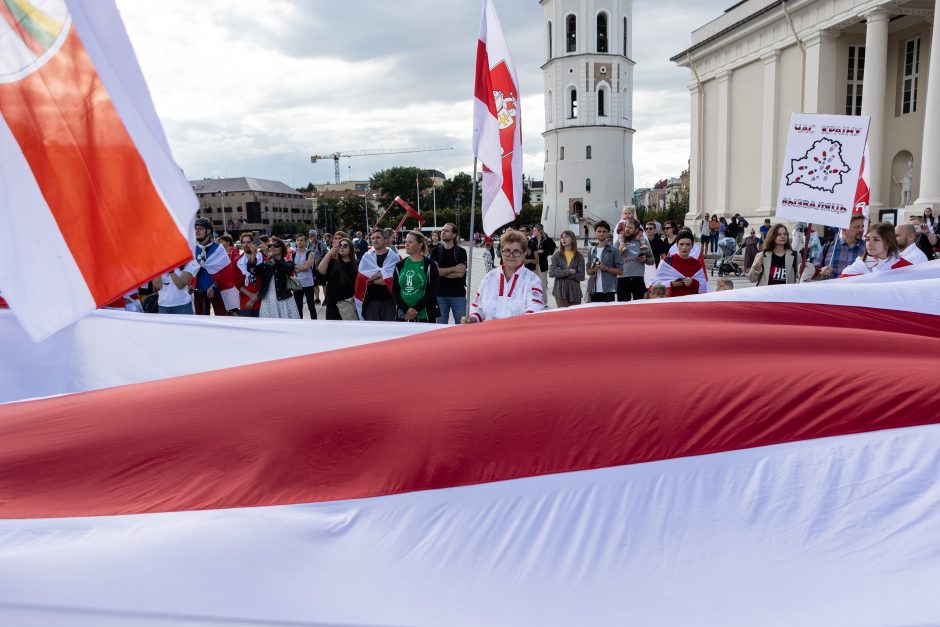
(602, 32)
(854, 81)
(546, 156)
(625, 31)
(561, 153)
(571, 34)
(911, 74)
(587, 185)
(623, 104)
(602, 102)
(573, 104)
(587, 152)
(561, 187)
(549, 41)
(551, 106)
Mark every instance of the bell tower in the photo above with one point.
(588, 75)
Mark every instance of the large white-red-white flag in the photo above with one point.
(91, 202)
(497, 124)
(147, 491)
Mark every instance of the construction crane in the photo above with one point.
(335, 156)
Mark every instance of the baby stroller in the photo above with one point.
(727, 246)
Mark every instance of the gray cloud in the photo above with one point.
(266, 84)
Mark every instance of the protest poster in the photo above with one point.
(822, 167)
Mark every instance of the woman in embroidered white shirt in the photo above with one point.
(510, 289)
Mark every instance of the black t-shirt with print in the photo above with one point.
(778, 270)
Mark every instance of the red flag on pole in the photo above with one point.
(497, 124)
(862, 189)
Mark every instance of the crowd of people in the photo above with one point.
(369, 279)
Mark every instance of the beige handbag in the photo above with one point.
(347, 309)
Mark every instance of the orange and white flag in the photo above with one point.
(91, 201)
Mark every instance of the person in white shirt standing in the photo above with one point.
(304, 261)
(907, 242)
(173, 289)
(510, 289)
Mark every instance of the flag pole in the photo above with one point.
(473, 215)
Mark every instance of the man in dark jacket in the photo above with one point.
(543, 247)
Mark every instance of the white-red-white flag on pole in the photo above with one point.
(862, 188)
(497, 124)
(91, 202)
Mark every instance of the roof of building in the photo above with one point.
(242, 184)
(733, 18)
(437, 174)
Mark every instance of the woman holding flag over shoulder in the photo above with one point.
(681, 273)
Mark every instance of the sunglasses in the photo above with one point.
(344, 245)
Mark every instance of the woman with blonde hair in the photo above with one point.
(566, 266)
(881, 252)
(414, 282)
(510, 289)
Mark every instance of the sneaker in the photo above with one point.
(316, 301)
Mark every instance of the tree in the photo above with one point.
(456, 190)
(309, 188)
(350, 214)
(400, 181)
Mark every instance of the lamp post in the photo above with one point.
(365, 206)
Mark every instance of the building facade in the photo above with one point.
(588, 112)
(765, 59)
(250, 204)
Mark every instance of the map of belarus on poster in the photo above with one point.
(821, 169)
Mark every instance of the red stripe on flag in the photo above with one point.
(91, 175)
(191, 443)
(483, 85)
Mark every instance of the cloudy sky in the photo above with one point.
(254, 87)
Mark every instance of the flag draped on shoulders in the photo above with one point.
(497, 124)
(666, 272)
(84, 164)
(368, 266)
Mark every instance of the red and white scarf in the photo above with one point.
(666, 274)
(368, 266)
(870, 265)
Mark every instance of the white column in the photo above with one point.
(769, 172)
(820, 79)
(873, 98)
(723, 164)
(695, 164)
(930, 161)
